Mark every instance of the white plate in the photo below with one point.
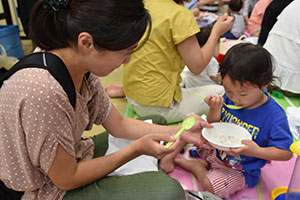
(219, 136)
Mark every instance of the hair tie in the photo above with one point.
(56, 5)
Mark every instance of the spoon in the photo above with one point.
(186, 124)
(234, 107)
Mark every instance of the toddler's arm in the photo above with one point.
(268, 153)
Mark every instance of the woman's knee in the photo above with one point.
(149, 186)
(166, 187)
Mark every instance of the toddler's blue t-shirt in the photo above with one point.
(268, 126)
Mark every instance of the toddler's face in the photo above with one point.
(247, 95)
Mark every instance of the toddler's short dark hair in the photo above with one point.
(235, 5)
(247, 62)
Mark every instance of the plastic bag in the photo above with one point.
(293, 115)
(143, 163)
(6, 61)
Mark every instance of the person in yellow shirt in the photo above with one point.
(152, 77)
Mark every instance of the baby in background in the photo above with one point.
(244, 79)
(210, 74)
(238, 25)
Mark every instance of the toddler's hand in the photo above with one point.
(214, 102)
(250, 149)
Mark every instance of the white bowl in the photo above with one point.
(224, 136)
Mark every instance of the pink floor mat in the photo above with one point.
(274, 174)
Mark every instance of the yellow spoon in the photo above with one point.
(228, 106)
(186, 124)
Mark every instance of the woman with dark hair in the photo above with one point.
(43, 154)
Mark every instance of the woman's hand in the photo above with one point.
(150, 145)
(223, 25)
(194, 135)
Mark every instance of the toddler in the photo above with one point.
(238, 25)
(246, 72)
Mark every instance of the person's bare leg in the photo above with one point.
(199, 168)
(115, 90)
(167, 162)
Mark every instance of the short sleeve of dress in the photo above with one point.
(184, 25)
(47, 119)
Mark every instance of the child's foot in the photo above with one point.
(167, 164)
(114, 91)
(197, 167)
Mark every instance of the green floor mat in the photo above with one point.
(129, 112)
(287, 101)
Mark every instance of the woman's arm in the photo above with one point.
(67, 174)
(197, 58)
(128, 128)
